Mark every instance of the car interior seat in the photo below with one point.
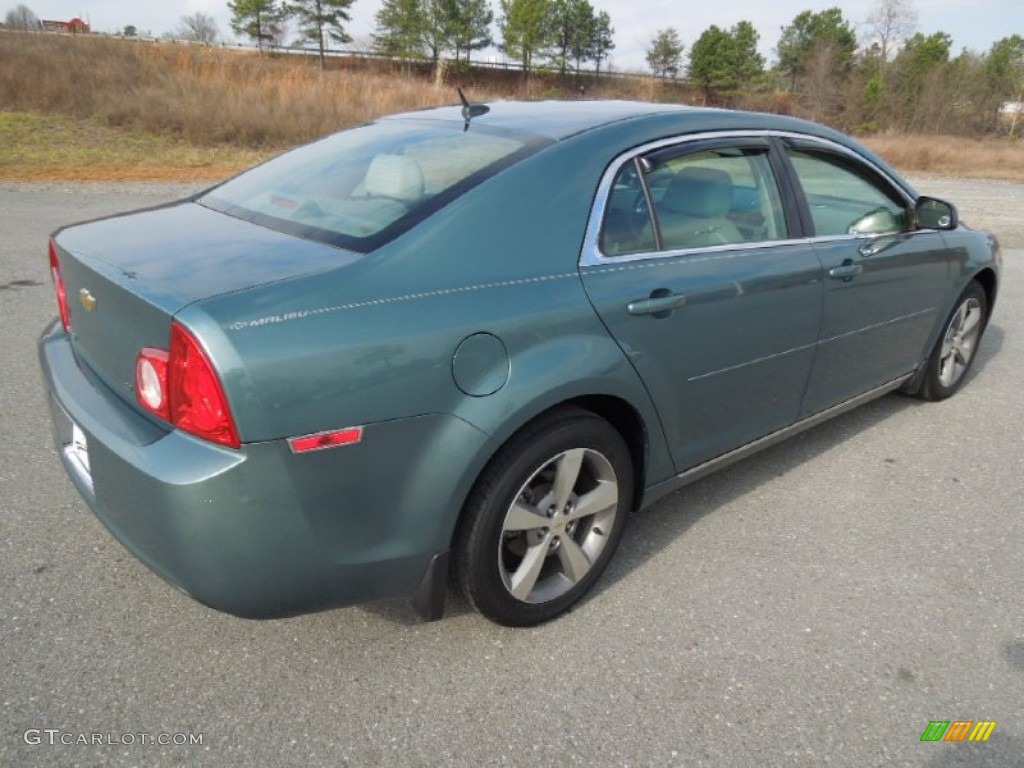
(693, 212)
(394, 176)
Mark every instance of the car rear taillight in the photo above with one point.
(197, 400)
(181, 386)
(58, 284)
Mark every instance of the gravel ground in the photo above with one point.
(817, 604)
(997, 206)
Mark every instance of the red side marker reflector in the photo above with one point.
(321, 440)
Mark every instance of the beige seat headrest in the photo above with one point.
(395, 176)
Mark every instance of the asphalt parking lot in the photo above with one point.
(817, 604)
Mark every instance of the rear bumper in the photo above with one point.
(260, 532)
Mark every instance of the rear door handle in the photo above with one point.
(656, 304)
(845, 272)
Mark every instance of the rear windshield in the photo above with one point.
(360, 188)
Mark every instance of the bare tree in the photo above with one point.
(822, 95)
(21, 17)
(891, 23)
(198, 27)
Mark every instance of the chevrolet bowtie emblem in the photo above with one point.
(87, 299)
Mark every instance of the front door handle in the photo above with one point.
(845, 271)
(657, 304)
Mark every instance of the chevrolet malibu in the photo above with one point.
(473, 341)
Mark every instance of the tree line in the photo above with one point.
(896, 78)
(564, 34)
(892, 78)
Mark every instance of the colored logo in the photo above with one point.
(958, 730)
(87, 299)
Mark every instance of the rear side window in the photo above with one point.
(360, 188)
(627, 224)
(717, 197)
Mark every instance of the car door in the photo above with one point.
(885, 281)
(690, 263)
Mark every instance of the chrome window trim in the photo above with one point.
(591, 255)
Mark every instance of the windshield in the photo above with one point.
(361, 188)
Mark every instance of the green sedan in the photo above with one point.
(472, 341)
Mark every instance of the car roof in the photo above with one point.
(552, 119)
(559, 120)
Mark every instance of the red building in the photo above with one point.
(75, 25)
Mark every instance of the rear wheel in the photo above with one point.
(544, 518)
(956, 348)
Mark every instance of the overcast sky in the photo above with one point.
(973, 24)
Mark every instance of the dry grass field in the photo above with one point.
(104, 108)
(202, 96)
(989, 158)
(45, 147)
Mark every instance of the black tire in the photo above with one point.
(955, 350)
(492, 560)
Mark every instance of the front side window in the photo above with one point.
(361, 187)
(704, 198)
(845, 201)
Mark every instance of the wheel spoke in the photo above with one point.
(946, 367)
(575, 563)
(604, 496)
(566, 474)
(967, 348)
(958, 321)
(971, 320)
(525, 577)
(522, 517)
(956, 369)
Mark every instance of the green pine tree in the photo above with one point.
(321, 20)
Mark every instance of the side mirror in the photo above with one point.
(936, 214)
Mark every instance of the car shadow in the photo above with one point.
(652, 529)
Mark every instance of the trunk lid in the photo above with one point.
(128, 275)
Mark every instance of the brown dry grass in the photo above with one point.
(989, 158)
(145, 110)
(54, 147)
(202, 96)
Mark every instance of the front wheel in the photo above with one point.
(956, 348)
(544, 518)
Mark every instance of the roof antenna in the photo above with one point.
(469, 111)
